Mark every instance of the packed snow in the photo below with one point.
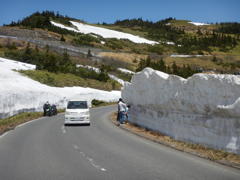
(185, 55)
(126, 71)
(198, 23)
(19, 93)
(105, 33)
(204, 108)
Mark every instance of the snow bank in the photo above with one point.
(105, 33)
(204, 108)
(19, 93)
(198, 23)
(185, 55)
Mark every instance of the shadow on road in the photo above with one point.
(76, 125)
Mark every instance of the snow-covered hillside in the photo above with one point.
(106, 33)
(204, 108)
(19, 93)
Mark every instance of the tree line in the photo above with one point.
(184, 71)
(159, 30)
(42, 20)
(52, 62)
(229, 28)
(189, 44)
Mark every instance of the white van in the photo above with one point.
(77, 112)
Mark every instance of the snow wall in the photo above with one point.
(203, 109)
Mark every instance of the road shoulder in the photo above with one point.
(218, 156)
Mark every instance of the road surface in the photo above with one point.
(44, 150)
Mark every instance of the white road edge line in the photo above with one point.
(4, 134)
(63, 129)
(89, 159)
(31, 121)
(20, 125)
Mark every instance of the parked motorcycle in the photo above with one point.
(49, 110)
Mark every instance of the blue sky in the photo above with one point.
(94, 11)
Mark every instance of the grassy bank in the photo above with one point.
(11, 122)
(69, 80)
(98, 103)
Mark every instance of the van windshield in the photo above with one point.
(77, 105)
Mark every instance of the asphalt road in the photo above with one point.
(45, 149)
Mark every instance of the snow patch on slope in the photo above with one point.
(198, 23)
(201, 109)
(120, 81)
(126, 71)
(105, 33)
(185, 55)
(97, 70)
(19, 93)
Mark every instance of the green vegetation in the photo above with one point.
(97, 103)
(216, 39)
(42, 20)
(229, 28)
(205, 42)
(85, 39)
(121, 75)
(183, 71)
(52, 62)
(155, 30)
(11, 122)
(200, 41)
(68, 79)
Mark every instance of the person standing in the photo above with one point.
(45, 107)
(122, 109)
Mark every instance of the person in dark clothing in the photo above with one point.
(45, 107)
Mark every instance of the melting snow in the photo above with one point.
(126, 71)
(19, 93)
(89, 67)
(106, 33)
(120, 81)
(185, 55)
(198, 23)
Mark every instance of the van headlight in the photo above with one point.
(86, 113)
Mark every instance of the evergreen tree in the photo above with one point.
(89, 54)
(62, 38)
(174, 68)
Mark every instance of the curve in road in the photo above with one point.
(46, 149)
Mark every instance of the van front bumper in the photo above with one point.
(77, 120)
